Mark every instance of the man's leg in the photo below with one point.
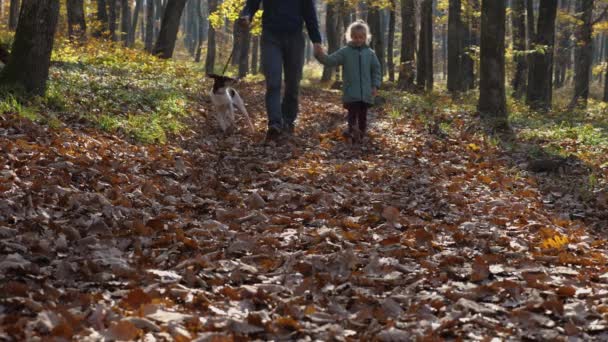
(293, 59)
(272, 67)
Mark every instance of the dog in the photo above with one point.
(225, 99)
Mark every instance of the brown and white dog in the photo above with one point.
(224, 99)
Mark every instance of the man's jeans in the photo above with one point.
(282, 51)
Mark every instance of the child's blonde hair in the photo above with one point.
(358, 25)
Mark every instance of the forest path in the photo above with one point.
(416, 233)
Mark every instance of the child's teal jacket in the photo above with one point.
(362, 71)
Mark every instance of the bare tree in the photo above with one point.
(424, 77)
(165, 44)
(518, 19)
(407, 59)
(390, 55)
(13, 15)
(133, 27)
(539, 92)
(149, 25)
(211, 44)
(582, 53)
(125, 21)
(77, 26)
(332, 28)
(455, 47)
(492, 103)
(30, 59)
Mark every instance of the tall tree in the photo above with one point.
(211, 44)
(424, 76)
(149, 25)
(77, 26)
(407, 59)
(455, 47)
(518, 19)
(165, 44)
(113, 15)
(255, 50)
(471, 29)
(332, 29)
(243, 56)
(133, 27)
(563, 44)
(125, 21)
(539, 92)
(201, 30)
(582, 53)
(102, 17)
(492, 103)
(390, 62)
(374, 19)
(30, 59)
(13, 15)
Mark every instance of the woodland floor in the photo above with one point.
(416, 235)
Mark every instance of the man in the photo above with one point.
(282, 48)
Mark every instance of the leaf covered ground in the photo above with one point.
(430, 230)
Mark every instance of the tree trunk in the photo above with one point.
(472, 30)
(13, 15)
(201, 29)
(582, 54)
(125, 21)
(133, 27)
(113, 17)
(455, 47)
(424, 77)
(254, 55)
(408, 45)
(492, 100)
(149, 25)
(29, 62)
(210, 59)
(102, 17)
(333, 36)
(77, 26)
(165, 44)
(243, 57)
(374, 19)
(518, 19)
(540, 77)
(390, 62)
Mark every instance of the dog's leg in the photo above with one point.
(238, 101)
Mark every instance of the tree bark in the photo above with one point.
(210, 58)
(540, 78)
(518, 19)
(390, 55)
(254, 55)
(165, 44)
(149, 25)
(424, 77)
(582, 53)
(243, 57)
(374, 20)
(102, 17)
(13, 15)
(455, 47)
(125, 21)
(408, 45)
(201, 30)
(492, 100)
(133, 27)
(30, 59)
(77, 26)
(333, 36)
(113, 17)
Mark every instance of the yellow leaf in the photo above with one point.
(473, 147)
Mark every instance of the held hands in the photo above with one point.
(318, 50)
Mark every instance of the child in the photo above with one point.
(361, 76)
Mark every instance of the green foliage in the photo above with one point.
(122, 90)
(230, 10)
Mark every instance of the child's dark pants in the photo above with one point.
(357, 115)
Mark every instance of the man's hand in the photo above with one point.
(318, 49)
(244, 22)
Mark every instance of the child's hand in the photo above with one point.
(319, 50)
(374, 92)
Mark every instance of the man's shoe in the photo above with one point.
(273, 134)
